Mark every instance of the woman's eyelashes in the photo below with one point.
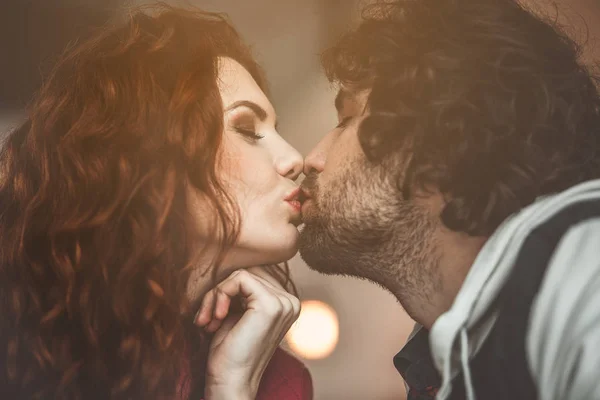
(245, 125)
(248, 133)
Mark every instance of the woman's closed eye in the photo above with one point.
(248, 133)
(245, 124)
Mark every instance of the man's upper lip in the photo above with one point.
(304, 195)
(293, 195)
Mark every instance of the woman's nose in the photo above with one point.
(290, 164)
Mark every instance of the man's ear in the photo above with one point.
(401, 166)
(421, 192)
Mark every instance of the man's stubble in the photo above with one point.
(361, 226)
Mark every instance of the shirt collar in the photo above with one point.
(415, 364)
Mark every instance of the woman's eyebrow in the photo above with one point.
(256, 109)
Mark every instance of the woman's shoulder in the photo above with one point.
(286, 378)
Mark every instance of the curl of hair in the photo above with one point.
(491, 104)
(94, 252)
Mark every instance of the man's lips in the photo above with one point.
(304, 195)
(305, 198)
(293, 199)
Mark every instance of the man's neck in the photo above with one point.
(455, 256)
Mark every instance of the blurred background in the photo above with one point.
(351, 329)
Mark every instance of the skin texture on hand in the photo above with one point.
(243, 345)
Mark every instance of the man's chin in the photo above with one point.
(319, 266)
(315, 250)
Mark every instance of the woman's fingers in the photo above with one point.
(214, 307)
(213, 325)
(215, 304)
(221, 309)
(255, 291)
(205, 313)
(222, 305)
(266, 275)
(290, 301)
(243, 344)
(244, 284)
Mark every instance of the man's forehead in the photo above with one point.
(350, 101)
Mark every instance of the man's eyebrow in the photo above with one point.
(340, 98)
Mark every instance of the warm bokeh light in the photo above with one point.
(315, 334)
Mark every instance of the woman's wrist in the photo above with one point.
(230, 391)
(228, 394)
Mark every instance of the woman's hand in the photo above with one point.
(243, 344)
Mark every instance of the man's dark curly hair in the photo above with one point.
(490, 100)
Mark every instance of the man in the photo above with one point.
(463, 178)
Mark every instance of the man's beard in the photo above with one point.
(361, 226)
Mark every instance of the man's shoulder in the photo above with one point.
(532, 305)
(567, 217)
(559, 233)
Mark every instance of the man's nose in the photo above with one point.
(316, 159)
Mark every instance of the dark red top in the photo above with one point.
(285, 378)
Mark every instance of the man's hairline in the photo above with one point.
(346, 91)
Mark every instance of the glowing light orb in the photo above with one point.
(316, 332)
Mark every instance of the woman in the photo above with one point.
(149, 169)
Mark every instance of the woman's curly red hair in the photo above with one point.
(94, 256)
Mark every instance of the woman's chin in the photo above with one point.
(274, 248)
(288, 248)
(289, 254)
(276, 255)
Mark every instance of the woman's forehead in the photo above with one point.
(237, 84)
